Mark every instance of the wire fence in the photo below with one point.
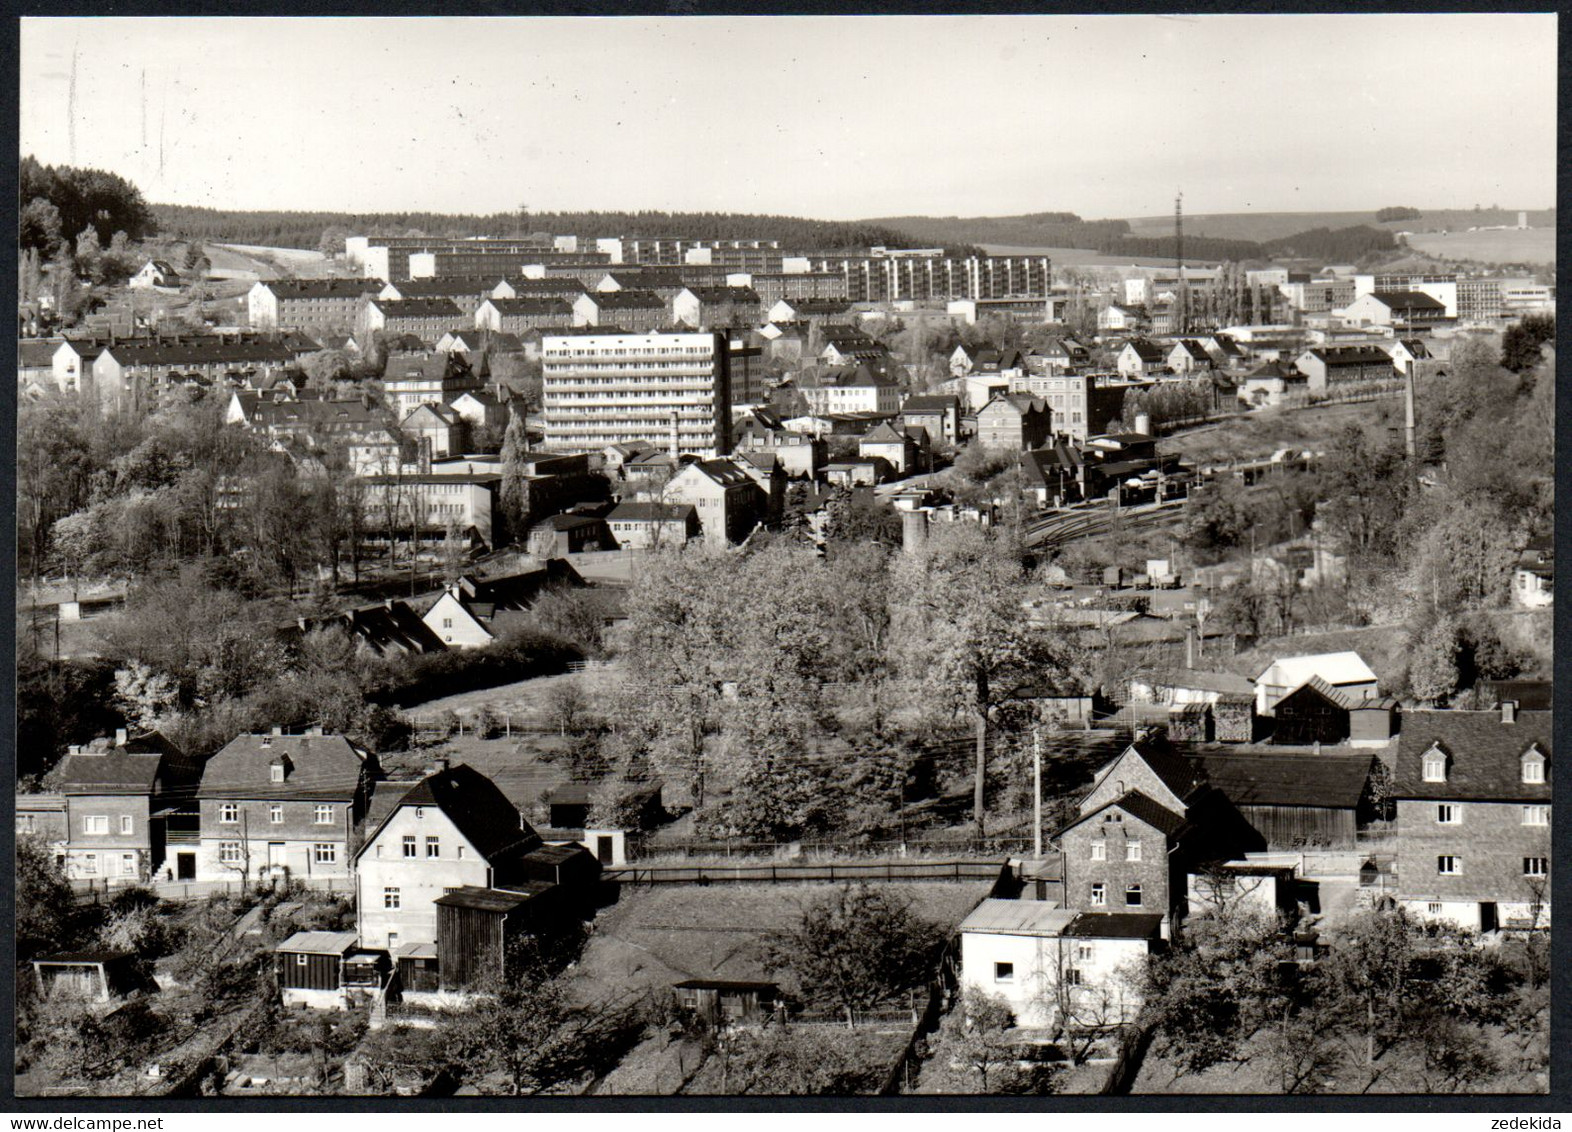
(800, 872)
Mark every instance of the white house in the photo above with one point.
(1345, 671)
(1052, 964)
(155, 274)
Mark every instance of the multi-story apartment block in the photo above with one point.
(427, 319)
(633, 310)
(854, 388)
(781, 286)
(1478, 300)
(668, 391)
(1014, 422)
(1316, 295)
(1325, 366)
(933, 275)
(1082, 404)
(514, 316)
(388, 257)
(1473, 816)
(702, 308)
(307, 304)
(278, 804)
(129, 374)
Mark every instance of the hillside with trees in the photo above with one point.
(326, 230)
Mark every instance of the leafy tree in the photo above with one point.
(975, 1051)
(145, 697)
(1218, 516)
(854, 946)
(515, 481)
(1367, 972)
(326, 368)
(1432, 659)
(40, 227)
(44, 902)
(1522, 341)
(960, 633)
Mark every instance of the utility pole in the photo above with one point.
(1408, 411)
(1181, 300)
(1037, 795)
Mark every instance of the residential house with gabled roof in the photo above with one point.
(1189, 356)
(438, 429)
(1271, 383)
(1325, 366)
(72, 363)
(1406, 312)
(276, 805)
(155, 274)
(1119, 317)
(895, 446)
(1534, 576)
(1473, 791)
(1059, 356)
(641, 526)
(1140, 358)
(453, 829)
(118, 795)
(1014, 422)
(427, 378)
(938, 415)
(728, 500)
(853, 388)
(130, 373)
(390, 628)
(1316, 712)
(474, 612)
(556, 287)
(1345, 671)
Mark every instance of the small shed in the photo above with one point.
(1372, 722)
(722, 1000)
(97, 976)
(571, 866)
(418, 968)
(476, 925)
(1190, 723)
(568, 806)
(1314, 712)
(310, 968)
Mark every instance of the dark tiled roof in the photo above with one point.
(930, 403)
(533, 308)
(1351, 355)
(650, 512)
(444, 288)
(1116, 925)
(477, 808)
(724, 294)
(204, 351)
(1175, 771)
(419, 308)
(324, 288)
(1484, 755)
(132, 768)
(628, 300)
(321, 766)
(1409, 300)
(493, 899)
(1325, 781)
(1226, 682)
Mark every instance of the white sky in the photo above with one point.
(836, 118)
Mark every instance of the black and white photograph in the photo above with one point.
(860, 557)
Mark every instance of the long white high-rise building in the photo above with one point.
(666, 390)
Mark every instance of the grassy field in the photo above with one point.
(1265, 431)
(1511, 245)
(1261, 226)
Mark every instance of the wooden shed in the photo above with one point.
(572, 866)
(1314, 712)
(476, 925)
(1294, 801)
(97, 976)
(418, 968)
(310, 967)
(722, 1000)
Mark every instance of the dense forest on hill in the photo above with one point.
(307, 229)
(1114, 237)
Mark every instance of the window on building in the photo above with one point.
(1536, 815)
(95, 823)
(433, 847)
(228, 813)
(229, 853)
(126, 824)
(1099, 851)
(1448, 814)
(409, 845)
(1132, 851)
(1132, 896)
(325, 853)
(1072, 977)
(1536, 866)
(90, 864)
(275, 814)
(1084, 952)
(1099, 895)
(1004, 972)
(390, 898)
(128, 864)
(1435, 765)
(324, 815)
(1449, 866)
(277, 771)
(1533, 766)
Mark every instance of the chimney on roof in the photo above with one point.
(440, 764)
(1189, 648)
(120, 737)
(314, 729)
(1508, 711)
(74, 749)
(277, 730)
